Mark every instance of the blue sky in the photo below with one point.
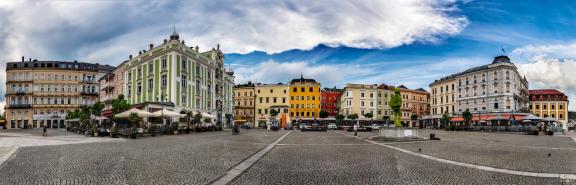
(410, 42)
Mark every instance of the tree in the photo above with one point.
(353, 116)
(369, 115)
(396, 104)
(323, 114)
(385, 118)
(197, 118)
(467, 116)
(119, 105)
(274, 112)
(189, 115)
(84, 116)
(134, 119)
(97, 108)
(446, 119)
(339, 118)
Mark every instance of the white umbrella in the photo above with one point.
(206, 115)
(99, 118)
(167, 113)
(141, 113)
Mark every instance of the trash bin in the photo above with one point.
(432, 136)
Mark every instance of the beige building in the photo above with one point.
(549, 103)
(41, 93)
(414, 102)
(244, 104)
(272, 96)
(362, 99)
(443, 97)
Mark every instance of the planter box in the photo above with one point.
(398, 132)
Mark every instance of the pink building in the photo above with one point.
(111, 85)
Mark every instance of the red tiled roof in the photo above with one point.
(544, 92)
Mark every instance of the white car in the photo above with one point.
(332, 126)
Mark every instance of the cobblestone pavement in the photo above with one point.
(301, 158)
(332, 162)
(182, 159)
(508, 151)
(33, 137)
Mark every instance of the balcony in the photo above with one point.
(107, 86)
(89, 93)
(19, 106)
(86, 81)
(19, 92)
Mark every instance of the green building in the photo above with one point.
(178, 77)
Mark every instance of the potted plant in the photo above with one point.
(113, 132)
(95, 131)
(175, 128)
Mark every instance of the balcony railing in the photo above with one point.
(89, 81)
(19, 106)
(89, 93)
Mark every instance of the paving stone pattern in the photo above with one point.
(184, 159)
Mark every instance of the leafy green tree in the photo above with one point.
(369, 115)
(339, 118)
(353, 116)
(197, 118)
(323, 114)
(274, 112)
(396, 104)
(446, 119)
(84, 116)
(467, 116)
(385, 118)
(119, 105)
(97, 108)
(189, 115)
(134, 119)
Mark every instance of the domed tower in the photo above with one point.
(174, 35)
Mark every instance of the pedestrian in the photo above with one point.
(44, 132)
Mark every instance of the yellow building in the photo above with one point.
(549, 103)
(304, 98)
(271, 97)
(244, 104)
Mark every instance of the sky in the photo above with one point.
(408, 42)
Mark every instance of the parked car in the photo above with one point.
(332, 126)
(374, 126)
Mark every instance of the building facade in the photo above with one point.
(41, 93)
(244, 104)
(304, 98)
(329, 101)
(549, 103)
(361, 99)
(443, 97)
(272, 97)
(111, 86)
(414, 102)
(183, 76)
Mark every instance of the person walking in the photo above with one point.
(44, 132)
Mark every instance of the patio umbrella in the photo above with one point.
(141, 113)
(549, 119)
(167, 113)
(206, 115)
(99, 118)
(532, 117)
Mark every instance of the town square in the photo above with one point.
(287, 92)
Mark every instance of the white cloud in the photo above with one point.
(275, 72)
(554, 74)
(537, 52)
(108, 31)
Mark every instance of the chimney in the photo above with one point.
(218, 47)
(183, 42)
(139, 52)
(165, 41)
(196, 48)
(22, 58)
(130, 57)
(151, 46)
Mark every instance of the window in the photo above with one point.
(164, 63)
(184, 61)
(165, 81)
(150, 68)
(561, 107)
(311, 89)
(150, 84)
(302, 89)
(129, 90)
(183, 81)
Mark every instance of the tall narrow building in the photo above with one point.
(244, 104)
(304, 98)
